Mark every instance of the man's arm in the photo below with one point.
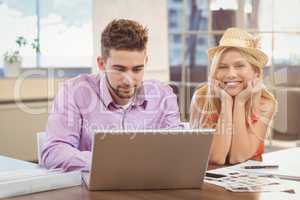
(63, 135)
(170, 108)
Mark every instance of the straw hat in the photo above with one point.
(239, 38)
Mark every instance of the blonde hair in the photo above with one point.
(212, 105)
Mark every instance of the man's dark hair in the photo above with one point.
(123, 34)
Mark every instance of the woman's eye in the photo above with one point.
(222, 67)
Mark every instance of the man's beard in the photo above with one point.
(122, 94)
(125, 95)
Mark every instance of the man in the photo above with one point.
(115, 99)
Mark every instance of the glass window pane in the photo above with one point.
(18, 18)
(175, 50)
(197, 15)
(258, 14)
(223, 19)
(223, 14)
(66, 33)
(175, 16)
(286, 59)
(287, 49)
(195, 55)
(214, 40)
(266, 45)
(224, 5)
(286, 15)
(265, 14)
(253, 14)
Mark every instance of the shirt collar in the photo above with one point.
(139, 100)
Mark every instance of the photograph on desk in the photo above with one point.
(238, 181)
(278, 171)
(150, 95)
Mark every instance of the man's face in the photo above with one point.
(125, 71)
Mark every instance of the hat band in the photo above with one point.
(237, 43)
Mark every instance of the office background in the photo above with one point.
(68, 34)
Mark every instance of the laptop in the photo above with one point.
(149, 159)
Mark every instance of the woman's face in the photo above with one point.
(233, 72)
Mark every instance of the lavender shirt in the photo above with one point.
(84, 104)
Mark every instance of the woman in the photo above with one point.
(235, 101)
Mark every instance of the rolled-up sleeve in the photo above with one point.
(63, 134)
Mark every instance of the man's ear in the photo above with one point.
(100, 63)
(146, 60)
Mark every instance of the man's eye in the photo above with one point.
(241, 65)
(120, 69)
(137, 69)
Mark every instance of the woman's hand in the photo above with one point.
(254, 86)
(219, 92)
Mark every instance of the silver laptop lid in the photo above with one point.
(149, 159)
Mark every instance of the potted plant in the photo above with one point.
(13, 59)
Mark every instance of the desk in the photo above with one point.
(208, 192)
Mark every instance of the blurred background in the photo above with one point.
(44, 42)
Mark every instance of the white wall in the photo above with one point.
(153, 14)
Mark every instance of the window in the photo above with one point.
(63, 29)
(18, 18)
(203, 22)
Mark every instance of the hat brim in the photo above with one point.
(258, 54)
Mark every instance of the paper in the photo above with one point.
(27, 173)
(19, 177)
(14, 183)
(8, 164)
(238, 181)
(284, 171)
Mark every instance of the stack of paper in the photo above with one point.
(25, 178)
